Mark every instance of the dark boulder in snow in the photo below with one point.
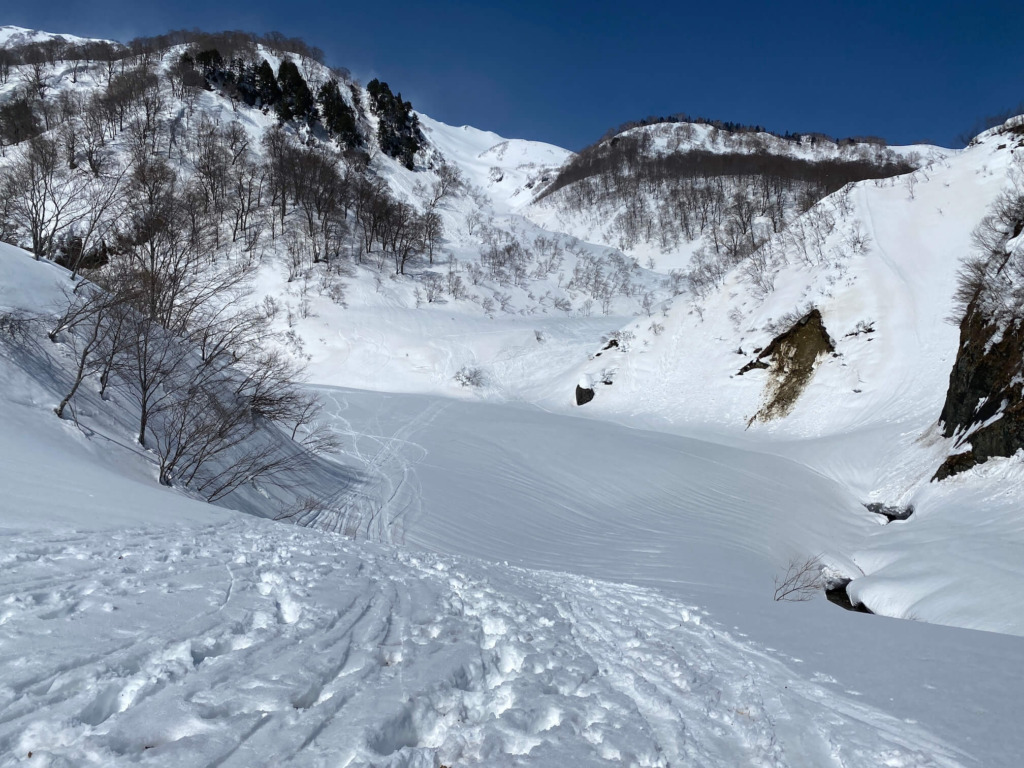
(584, 391)
(583, 395)
(836, 594)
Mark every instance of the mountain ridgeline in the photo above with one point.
(671, 183)
(178, 159)
(302, 91)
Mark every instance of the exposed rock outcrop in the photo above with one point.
(891, 513)
(984, 405)
(836, 593)
(790, 359)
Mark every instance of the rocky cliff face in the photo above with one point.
(984, 405)
(984, 408)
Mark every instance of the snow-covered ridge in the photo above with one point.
(12, 36)
(508, 170)
(675, 137)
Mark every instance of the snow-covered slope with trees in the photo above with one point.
(140, 625)
(758, 326)
(876, 265)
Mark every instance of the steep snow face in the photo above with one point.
(508, 171)
(878, 260)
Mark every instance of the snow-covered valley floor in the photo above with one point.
(140, 627)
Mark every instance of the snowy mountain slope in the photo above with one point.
(11, 36)
(677, 522)
(508, 171)
(668, 191)
(498, 273)
(141, 626)
(883, 281)
(887, 261)
(36, 290)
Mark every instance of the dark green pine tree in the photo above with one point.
(267, 89)
(296, 99)
(338, 117)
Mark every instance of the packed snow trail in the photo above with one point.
(249, 643)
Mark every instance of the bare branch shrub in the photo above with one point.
(801, 581)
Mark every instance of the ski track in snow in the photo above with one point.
(247, 643)
(380, 506)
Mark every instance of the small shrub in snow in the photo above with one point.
(434, 287)
(270, 307)
(857, 240)
(647, 303)
(337, 294)
(471, 376)
(801, 581)
(15, 325)
(621, 339)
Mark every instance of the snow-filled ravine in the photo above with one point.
(490, 576)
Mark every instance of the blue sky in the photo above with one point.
(565, 72)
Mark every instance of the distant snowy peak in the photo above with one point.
(12, 36)
(508, 170)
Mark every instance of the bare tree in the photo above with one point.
(85, 319)
(44, 194)
(801, 581)
(431, 231)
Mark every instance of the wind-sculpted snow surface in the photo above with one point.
(248, 643)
